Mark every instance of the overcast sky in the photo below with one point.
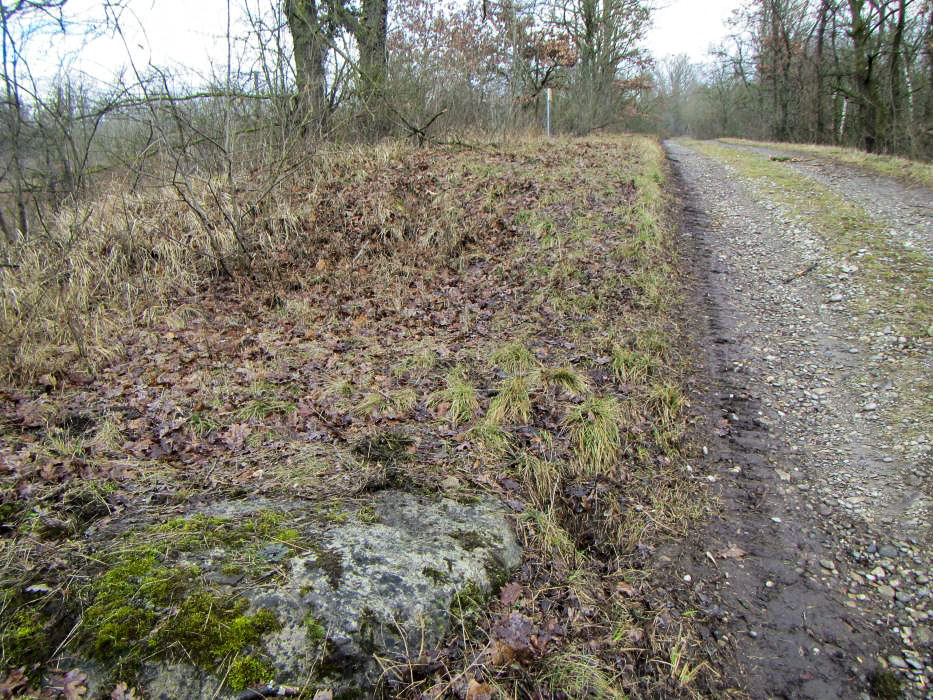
(185, 33)
(689, 27)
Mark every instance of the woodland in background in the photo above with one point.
(846, 72)
(298, 73)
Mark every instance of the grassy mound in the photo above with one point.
(499, 319)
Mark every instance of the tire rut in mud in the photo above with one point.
(780, 630)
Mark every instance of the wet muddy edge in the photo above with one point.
(772, 628)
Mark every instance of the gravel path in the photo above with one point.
(819, 571)
(907, 208)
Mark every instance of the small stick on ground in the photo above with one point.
(797, 275)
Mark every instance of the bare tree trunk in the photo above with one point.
(370, 32)
(14, 123)
(820, 130)
(898, 132)
(863, 63)
(310, 42)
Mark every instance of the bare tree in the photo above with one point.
(847, 71)
(607, 36)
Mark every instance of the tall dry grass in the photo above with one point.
(122, 260)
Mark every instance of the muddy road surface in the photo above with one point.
(817, 573)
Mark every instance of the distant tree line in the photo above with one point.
(848, 72)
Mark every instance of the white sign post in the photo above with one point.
(548, 93)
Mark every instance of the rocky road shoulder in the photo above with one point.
(906, 207)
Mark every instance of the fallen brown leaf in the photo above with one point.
(510, 593)
(732, 552)
(479, 691)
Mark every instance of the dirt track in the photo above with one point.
(816, 574)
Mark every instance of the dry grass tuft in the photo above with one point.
(595, 435)
(460, 396)
(567, 379)
(513, 402)
(514, 358)
(542, 478)
(491, 439)
(580, 675)
(630, 365)
(124, 261)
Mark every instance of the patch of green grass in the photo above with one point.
(579, 675)
(563, 274)
(425, 360)
(594, 433)
(260, 408)
(460, 396)
(666, 402)
(567, 379)
(513, 402)
(893, 166)
(385, 447)
(490, 437)
(340, 389)
(542, 479)
(553, 537)
(108, 437)
(63, 444)
(653, 286)
(514, 358)
(632, 366)
(419, 363)
(371, 403)
(200, 424)
(542, 225)
(466, 606)
(652, 342)
(399, 401)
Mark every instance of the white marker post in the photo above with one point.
(548, 93)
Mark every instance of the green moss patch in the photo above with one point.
(388, 447)
(316, 632)
(205, 532)
(143, 607)
(10, 512)
(150, 602)
(247, 672)
(24, 639)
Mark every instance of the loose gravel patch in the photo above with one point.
(818, 573)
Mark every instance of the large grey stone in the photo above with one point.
(378, 583)
(384, 588)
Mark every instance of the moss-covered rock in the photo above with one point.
(399, 575)
(242, 593)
